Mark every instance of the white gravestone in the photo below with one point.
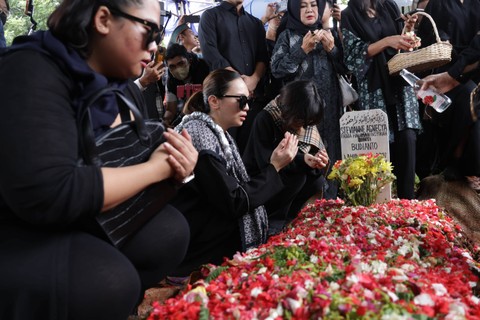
(363, 132)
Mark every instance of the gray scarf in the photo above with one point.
(207, 135)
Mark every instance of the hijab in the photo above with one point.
(294, 21)
(356, 20)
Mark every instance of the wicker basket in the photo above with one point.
(433, 56)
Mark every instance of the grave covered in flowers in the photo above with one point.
(397, 260)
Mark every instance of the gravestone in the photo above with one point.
(362, 132)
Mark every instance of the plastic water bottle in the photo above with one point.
(430, 96)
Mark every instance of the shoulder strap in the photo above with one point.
(86, 135)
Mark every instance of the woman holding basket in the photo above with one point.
(372, 36)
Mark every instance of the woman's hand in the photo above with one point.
(400, 42)
(152, 73)
(318, 161)
(310, 41)
(327, 40)
(285, 151)
(182, 155)
(410, 21)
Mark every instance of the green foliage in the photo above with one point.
(18, 22)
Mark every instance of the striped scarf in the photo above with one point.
(309, 140)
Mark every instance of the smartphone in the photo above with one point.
(281, 6)
(409, 13)
(160, 55)
(191, 19)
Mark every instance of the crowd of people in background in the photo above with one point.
(252, 108)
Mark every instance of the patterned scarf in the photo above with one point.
(207, 135)
(309, 139)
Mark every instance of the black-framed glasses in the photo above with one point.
(242, 100)
(154, 32)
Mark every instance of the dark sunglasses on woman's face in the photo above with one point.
(242, 100)
(153, 29)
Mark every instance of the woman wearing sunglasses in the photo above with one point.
(223, 205)
(51, 266)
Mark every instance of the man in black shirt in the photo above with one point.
(184, 69)
(231, 38)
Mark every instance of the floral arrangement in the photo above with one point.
(398, 260)
(362, 178)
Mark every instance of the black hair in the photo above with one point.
(301, 104)
(71, 21)
(216, 84)
(175, 50)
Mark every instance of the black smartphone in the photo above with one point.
(191, 19)
(409, 13)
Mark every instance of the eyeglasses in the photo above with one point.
(242, 100)
(153, 29)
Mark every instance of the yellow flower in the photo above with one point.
(361, 178)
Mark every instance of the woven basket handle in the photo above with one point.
(431, 20)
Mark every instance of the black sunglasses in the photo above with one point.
(242, 100)
(154, 32)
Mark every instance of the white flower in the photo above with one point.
(440, 289)
(294, 304)
(456, 311)
(309, 284)
(255, 292)
(262, 270)
(334, 286)
(424, 299)
(313, 259)
(392, 296)
(275, 313)
(394, 316)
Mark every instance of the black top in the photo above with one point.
(459, 23)
(197, 73)
(231, 40)
(40, 181)
(264, 138)
(213, 202)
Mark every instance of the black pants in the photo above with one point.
(458, 133)
(403, 156)
(298, 189)
(74, 275)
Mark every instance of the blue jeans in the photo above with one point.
(3, 42)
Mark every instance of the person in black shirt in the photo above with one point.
(184, 68)
(458, 135)
(467, 62)
(52, 265)
(231, 38)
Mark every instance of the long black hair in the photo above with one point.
(301, 104)
(71, 22)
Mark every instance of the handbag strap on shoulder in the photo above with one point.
(86, 134)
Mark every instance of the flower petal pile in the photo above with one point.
(397, 260)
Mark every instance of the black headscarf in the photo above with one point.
(294, 22)
(356, 20)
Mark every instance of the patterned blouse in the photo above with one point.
(356, 60)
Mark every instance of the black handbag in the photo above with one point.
(131, 142)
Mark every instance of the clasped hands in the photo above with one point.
(314, 37)
(318, 161)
